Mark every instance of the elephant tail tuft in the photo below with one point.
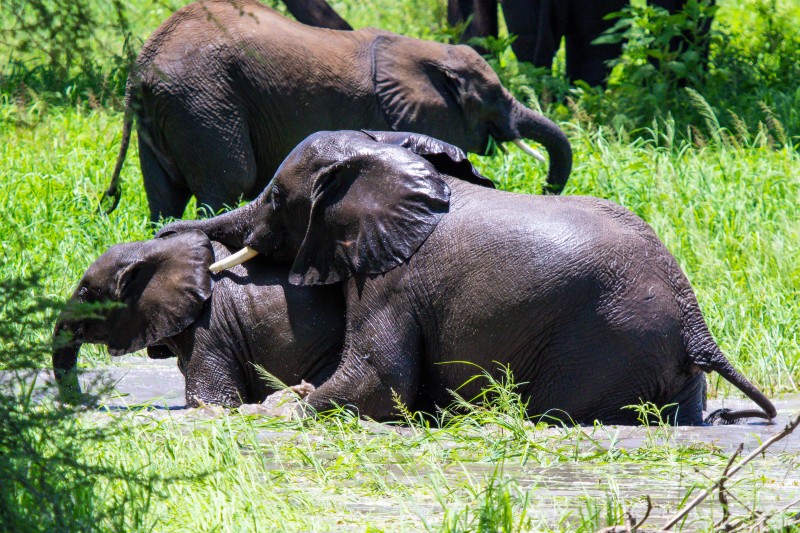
(704, 352)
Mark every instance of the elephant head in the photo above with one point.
(451, 93)
(344, 203)
(132, 297)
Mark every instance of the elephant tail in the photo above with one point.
(701, 348)
(114, 190)
(716, 361)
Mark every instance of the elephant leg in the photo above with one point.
(587, 61)
(215, 157)
(381, 361)
(689, 403)
(211, 379)
(164, 197)
(316, 13)
(484, 17)
(539, 26)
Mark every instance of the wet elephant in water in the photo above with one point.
(219, 326)
(576, 295)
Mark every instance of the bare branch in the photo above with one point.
(790, 427)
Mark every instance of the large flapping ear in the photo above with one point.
(163, 289)
(412, 88)
(369, 213)
(445, 157)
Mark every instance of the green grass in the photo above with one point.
(725, 202)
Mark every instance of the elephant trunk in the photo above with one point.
(65, 360)
(242, 228)
(528, 124)
(235, 228)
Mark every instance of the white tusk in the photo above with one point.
(231, 261)
(528, 150)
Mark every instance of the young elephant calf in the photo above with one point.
(219, 326)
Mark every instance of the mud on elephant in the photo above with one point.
(218, 325)
(577, 295)
(224, 91)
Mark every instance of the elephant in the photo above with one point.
(539, 26)
(316, 13)
(576, 296)
(218, 325)
(224, 90)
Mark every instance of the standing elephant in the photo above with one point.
(219, 326)
(316, 13)
(539, 26)
(576, 295)
(223, 91)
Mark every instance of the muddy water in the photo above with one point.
(770, 483)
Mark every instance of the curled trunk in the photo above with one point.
(528, 124)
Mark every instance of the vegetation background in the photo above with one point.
(708, 158)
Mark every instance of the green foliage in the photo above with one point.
(56, 49)
(663, 52)
(755, 65)
(423, 19)
(750, 69)
(539, 87)
(744, 66)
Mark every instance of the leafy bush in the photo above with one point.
(756, 62)
(748, 83)
(662, 53)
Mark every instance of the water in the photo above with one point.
(770, 483)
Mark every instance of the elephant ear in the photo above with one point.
(369, 213)
(412, 89)
(163, 288)
(445, 157)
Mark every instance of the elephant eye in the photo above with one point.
(276, 198)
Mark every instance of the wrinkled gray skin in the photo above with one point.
(576, 295)
(224, 92)
(219, 326)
